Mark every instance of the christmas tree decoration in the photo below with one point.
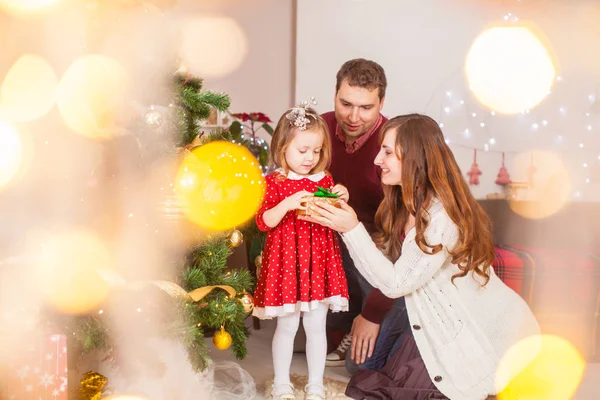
(222, 339)
(221, 185)
(248, 302)
(258, 261)
(474, 172)
(235, 238)
(204, 295)
(92, 386)
(153, 118)
(503, 178)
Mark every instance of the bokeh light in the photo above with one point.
(554, 374)
(18, 7)
(91, 94)
(68, 271)
(549, 184)
(509, 69)
(11, 152)
(29, 89)
(219, 56)
(220, 185)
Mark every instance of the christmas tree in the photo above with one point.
(208, 297)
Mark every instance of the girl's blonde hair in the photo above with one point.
(284, 133)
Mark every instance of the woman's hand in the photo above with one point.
(339, 219)
(341, 191)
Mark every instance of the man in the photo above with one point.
(375, 322)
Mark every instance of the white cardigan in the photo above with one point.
(463, 329)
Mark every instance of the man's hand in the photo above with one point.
(364, 335)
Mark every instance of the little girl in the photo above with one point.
(302, 264)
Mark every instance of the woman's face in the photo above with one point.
(388, 161)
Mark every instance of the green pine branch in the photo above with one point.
(240, 280)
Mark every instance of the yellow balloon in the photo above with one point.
(221, 185)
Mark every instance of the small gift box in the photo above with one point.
(321, 196)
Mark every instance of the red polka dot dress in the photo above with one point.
(302, 263)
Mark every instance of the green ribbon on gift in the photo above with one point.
(322, 192)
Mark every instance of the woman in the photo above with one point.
(463, 318)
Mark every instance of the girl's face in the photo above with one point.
(304, 151)
(388, 161)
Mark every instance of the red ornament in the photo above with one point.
(503, 178)
(474, 172)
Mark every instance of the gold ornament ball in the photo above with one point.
(235, 238)
(248, 302)
(222, 339)
(258, 261)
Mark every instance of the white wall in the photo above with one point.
(423, 44)
(264, 81)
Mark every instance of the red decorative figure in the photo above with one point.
(503, 178)
(474, 172)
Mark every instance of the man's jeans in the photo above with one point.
(393, 325)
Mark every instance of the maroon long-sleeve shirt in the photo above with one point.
(357, 172)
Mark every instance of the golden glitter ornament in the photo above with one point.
(258, 261)
(248, 302)
(222, 339)
(235, 238)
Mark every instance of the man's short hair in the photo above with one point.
(362, 73)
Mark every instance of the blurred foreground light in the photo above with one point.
(68, 271)
(29, 89)
(11, 152)
(18, 7)
(547, 188)
(219, 56)
(554, 374)
(91, 94)
(509, 69)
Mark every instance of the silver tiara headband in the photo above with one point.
(298, 116)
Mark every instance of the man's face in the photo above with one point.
(357, 109)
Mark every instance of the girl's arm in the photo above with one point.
(413, 269)
(274, 207)
(274, 216)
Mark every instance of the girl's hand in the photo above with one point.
(294, 202)
(339, 219)
(342, 191)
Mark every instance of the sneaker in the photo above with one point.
(337, 358)
(314, 391)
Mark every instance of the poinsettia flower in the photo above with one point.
(243, 116)
(260, 117)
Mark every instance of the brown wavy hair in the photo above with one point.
(284, 133)
(429, 169)
(364, 74)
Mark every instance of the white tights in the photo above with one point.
(316, 344)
